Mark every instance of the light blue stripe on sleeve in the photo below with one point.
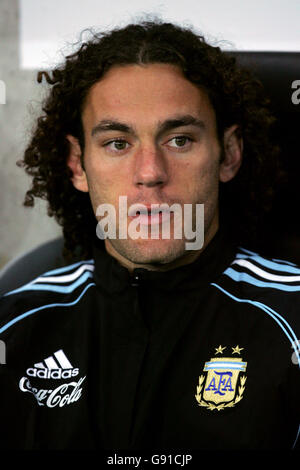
(271, 264)
(66, 268)
(252, 253)
(244, 277)
(247, 251)
(297, 437)
(278, 318)
(53, 288)
(43, 307)
(281, 261)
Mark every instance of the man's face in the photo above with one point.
(150, 135)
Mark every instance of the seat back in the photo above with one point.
(279, 72)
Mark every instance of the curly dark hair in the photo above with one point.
(236, 96)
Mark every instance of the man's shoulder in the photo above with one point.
(58, 287)
(266, 287)
(269, 284)
(264, 272)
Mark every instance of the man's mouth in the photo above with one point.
(149, 215)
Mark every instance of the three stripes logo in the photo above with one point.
(56, 366)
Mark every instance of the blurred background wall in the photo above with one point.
(20, 228)
(36, 34)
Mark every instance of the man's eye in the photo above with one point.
(117, 145)
(179, 141)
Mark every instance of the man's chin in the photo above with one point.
(146, 252)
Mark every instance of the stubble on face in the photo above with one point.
(161, 253)
(142, 97)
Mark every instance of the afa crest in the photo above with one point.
(223, 383)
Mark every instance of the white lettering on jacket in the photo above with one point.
(63, 395)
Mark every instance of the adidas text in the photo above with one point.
(52, 373)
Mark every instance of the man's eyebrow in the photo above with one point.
(107, 125)
(165, 126)
(180, 121)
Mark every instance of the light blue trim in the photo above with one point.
(225, 365)
(213, 367)
(298, 433)
(282, 261)
(272, 314)
(271, 311)
(252, 253)
(247, 251)
(268, 310)
(66, 268)
(53, 288)
(43, 307)
(270, 264)
(244, 277)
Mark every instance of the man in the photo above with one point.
(146, 344)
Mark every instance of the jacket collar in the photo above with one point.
(215, 258)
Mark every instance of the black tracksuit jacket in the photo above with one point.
(202, 357)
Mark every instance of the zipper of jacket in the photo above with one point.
(135, 280)
(137, 276)
(135, 284)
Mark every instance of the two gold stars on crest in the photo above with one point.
(236, 350)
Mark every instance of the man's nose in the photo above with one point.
(150, 167)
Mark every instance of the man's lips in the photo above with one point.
(149, 215)
(151, 219)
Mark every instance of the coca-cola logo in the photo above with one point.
(62, 395)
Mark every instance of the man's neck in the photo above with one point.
(188, 258)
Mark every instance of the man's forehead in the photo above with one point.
(155, 91)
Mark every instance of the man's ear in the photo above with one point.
(74, 163)
(232, 157)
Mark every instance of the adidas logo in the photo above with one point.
(53, 367)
